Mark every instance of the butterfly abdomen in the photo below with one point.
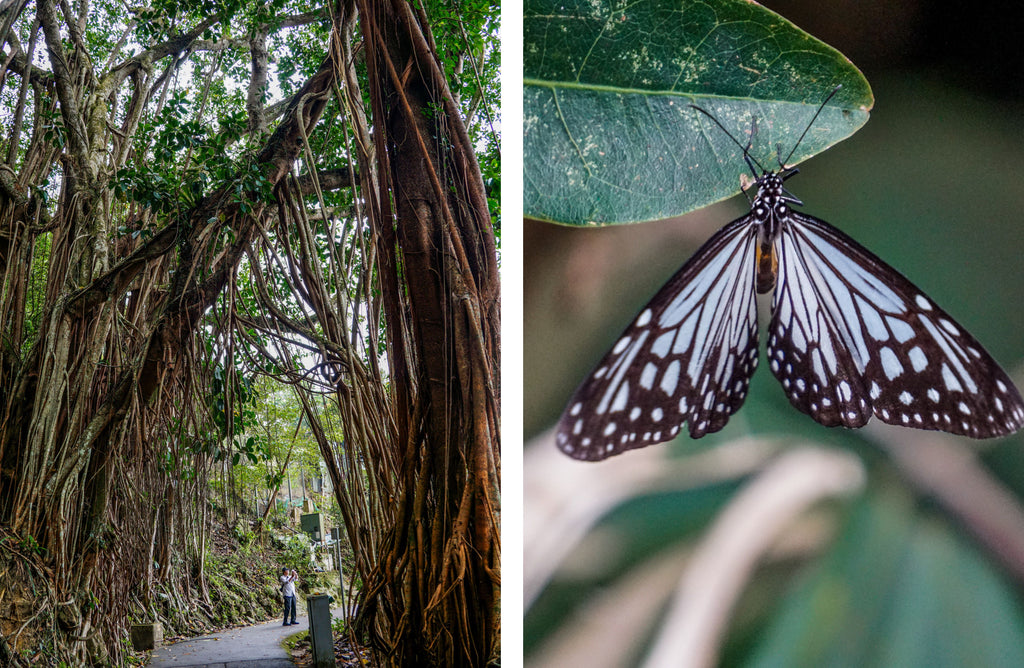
(767, 267)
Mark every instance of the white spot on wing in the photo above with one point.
(890, 363)
(900, 329)
(869, 316)
(819, 368)
(798, 339)
(648, 375)
(952, 384)
(619, 371)
(685, 337)
(663, 343)
(917, 358)
(949, 327)
(670, 379)
(953, 357)
(621, 398)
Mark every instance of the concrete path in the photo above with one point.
(245, 647)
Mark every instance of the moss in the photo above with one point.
(291, 641)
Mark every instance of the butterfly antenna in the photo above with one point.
(751, 160)
(814, 118)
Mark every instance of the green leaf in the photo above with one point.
(609, 136)
(900, 588)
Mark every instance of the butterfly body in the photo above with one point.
(768, 209)
(849, 338)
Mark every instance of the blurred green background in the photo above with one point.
(915, 555)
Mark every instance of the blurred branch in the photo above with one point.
(610, 629)
(566, 498)
(723, 562)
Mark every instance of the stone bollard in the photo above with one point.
(147, 636)
(321, 636)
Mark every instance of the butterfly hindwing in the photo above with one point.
(850, 336)
(686, 358)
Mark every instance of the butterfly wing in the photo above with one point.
(687, 357)
(851, 337)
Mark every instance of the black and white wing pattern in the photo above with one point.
(686, 358)
(851, 337)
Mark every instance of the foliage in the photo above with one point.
(298, 552)
(609, 136)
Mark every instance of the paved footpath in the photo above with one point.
(245, 647)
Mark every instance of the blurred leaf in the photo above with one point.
(635, 532)
(899, 589)
(608, 133)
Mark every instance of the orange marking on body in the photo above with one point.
(767, 267)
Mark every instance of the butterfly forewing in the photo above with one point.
(686, 358)
(850, 336)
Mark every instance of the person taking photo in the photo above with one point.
(288, 579)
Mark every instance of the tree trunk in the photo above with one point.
(437, 585)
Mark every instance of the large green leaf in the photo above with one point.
(609, 136)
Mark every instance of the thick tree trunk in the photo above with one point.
(439, 575)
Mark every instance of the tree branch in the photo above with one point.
(156, 52)
(257, 83)
(74, 126)
(329, 179)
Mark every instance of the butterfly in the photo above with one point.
(849, 338)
